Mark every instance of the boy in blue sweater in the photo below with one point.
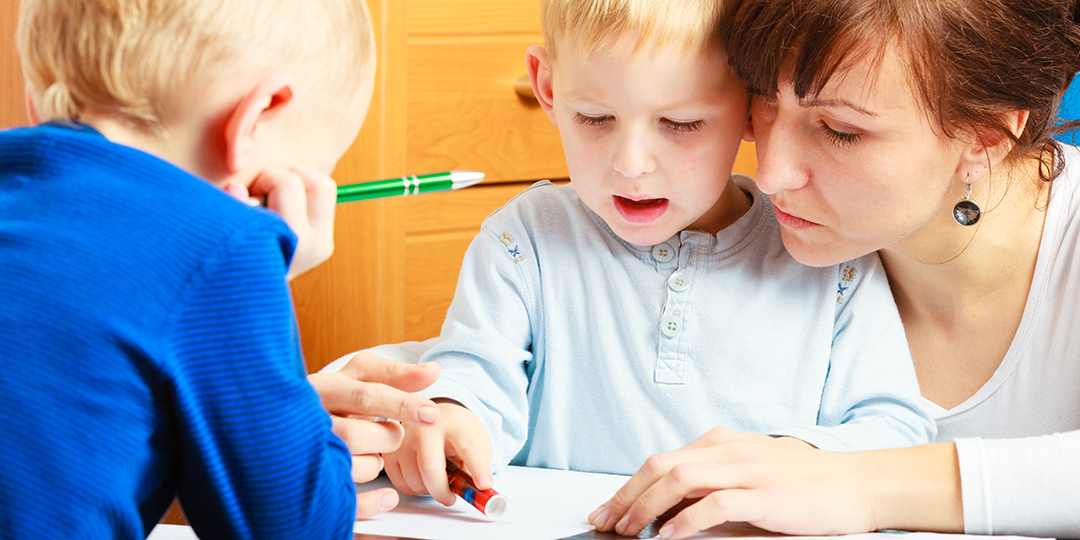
(147, 336)
(651, 299)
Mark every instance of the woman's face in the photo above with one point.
(857, 168)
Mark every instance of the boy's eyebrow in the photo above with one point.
(834, 103)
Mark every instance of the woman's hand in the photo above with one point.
(780, 485)
(366, 388)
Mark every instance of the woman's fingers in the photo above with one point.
(367, 437)
(369, 367)
(366, 468)
(343, 395)
(375, 502)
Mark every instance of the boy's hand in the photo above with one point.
(306, 199)
(420, 465)
(366, 388)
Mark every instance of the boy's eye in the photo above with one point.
(685, 126)
(840, 138)
(592, 120)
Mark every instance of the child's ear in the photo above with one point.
(246, 120)
(989, 147)
(536, 58)
(31, 106)
(748, 131)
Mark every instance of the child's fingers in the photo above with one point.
(392, 466)
(407, 377)
(321, 198)
(237, 190)
(476, 460)
(366, 468)
(375, 502)
(285, 194)
(431, 462)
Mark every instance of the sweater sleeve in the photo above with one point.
(258, 457)
(486, 342)
(1028, 486)
(871, 398)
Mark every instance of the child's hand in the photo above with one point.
(306, 199)
(419, 466)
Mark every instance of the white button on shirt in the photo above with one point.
(671, 326)
(663, 252)
(679, 281)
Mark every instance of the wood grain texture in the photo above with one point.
(356, 299)
(473, 17)
(12, 108)
(465, 114)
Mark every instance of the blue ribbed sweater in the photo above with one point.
(149, 349)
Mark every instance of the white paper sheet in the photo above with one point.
(542, 505)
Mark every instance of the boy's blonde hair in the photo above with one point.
(149, 61)
(594, 24)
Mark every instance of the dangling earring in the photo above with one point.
(967, 212)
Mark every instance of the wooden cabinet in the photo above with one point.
(444, 99)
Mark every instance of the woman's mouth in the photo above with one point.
(640, 210)
(790, 221)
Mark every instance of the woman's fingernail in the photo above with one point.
(600, 521)
(428, 414)
(667, 531)
(621, 526)
(382, 463)
(388, 500)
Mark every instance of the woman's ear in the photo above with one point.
(536, 58)
(989, 147)
(247, 120)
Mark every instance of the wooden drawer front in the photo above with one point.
(472, 17)
(439, 228)
(463, 113)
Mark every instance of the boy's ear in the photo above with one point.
(243, 127)
(989, 147)
(748, 131)
(536, 58)
(31, 106)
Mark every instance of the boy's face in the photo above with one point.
(650, 137)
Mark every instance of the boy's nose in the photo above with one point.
(634, 156)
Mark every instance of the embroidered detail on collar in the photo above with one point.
(850, 272)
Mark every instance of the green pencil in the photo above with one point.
(408, 185)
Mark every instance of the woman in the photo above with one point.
(921, 129)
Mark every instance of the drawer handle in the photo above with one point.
(523, 88)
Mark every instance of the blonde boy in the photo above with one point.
(147, 335)
(650, 300)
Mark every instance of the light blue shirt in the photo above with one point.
(579, 351)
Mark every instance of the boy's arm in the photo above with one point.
(258, 458)
(486, 344)
(871, 398)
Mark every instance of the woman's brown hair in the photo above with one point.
(969, 60)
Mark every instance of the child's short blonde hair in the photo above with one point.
(594, 24)
(147, 61)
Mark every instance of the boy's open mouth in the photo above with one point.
(641, 210)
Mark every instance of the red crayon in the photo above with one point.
(488, 501)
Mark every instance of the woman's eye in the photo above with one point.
(592, 120)
(685, 126)
(840, 138)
